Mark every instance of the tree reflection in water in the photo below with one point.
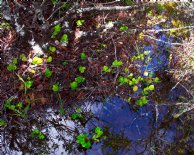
(148, 130)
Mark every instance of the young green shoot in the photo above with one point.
(82, 69)
(55, 87)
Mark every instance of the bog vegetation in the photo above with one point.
(55, 52)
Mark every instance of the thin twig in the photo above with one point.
(170, 29)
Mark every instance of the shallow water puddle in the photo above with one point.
(147, 130)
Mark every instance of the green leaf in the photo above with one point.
(102, 45)
(135, 88)
(75, 116)
(48, 73)
(86, 145)
(55, 87)
(151, 87)
(64, 62)
(130, 75)
(3, 123)
(15, 61)
(124, 28)
(38, 134)
(106, 69)
(129, 99)
(156, 80)
(122, 80)
(82, 69)
(126, 70)
(52, 49)
(142, 101)
(83, 56)
(83, 140)
(80, 79)
(80, 22)
(11, 67)
(23, 57)
(117, 63)
(54, 1)
(49, 59)
(41, 136)
(64, 38)
(73, 85)
(56, 30)
(98, 134)
(37, 61)
(19, 105)
(67, 5)
(160, 7)
(29, 84)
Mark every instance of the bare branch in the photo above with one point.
(174, 44)
(165, 30)
(106, 8)
(101, 8)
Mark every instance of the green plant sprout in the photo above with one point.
(126, 70)
(52, 49)
(77, 115)
(12, 66)
(27, 84)
(2, 123)
(49, 59)
(122, 80)
(64, 38)
(66, 5)
(56, 30)
(73, 85)
(83, 56)
(18, 108)
(156, 80)
(37, 61)
(130, 76)
(83, 140)
(129, 99)
(61, 109)
(117, 63)
(135, 88)
(106, 69)
(65, 62)
(151, 87)
(48, 73)
(82, 69)
(98, 134)
(142, 101)
(23, 57)
(54, 2)
(102, 45)
(124, 28)
(38, 134)
(55, 87)
(80, 23)
(80, 79)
